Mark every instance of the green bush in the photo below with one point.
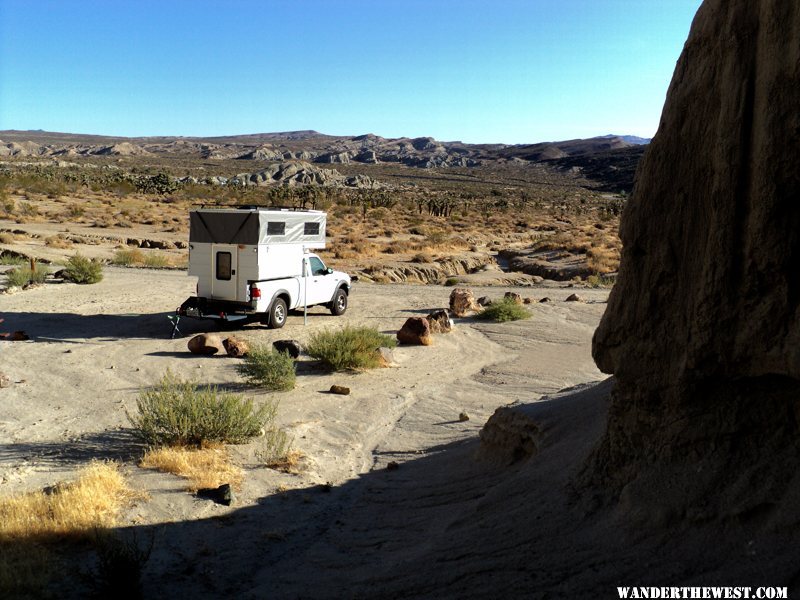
(23, 275)
(451, 281)
(264, 367)
(350, 348)
(180, 413)
(83, 270)
(504, 310)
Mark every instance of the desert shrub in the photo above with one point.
(120, 561)
(7, 238)
(180, 413)
(276, 451)
(597, 281)
(156, 261)
(24, 275)
(83, 270)
(451, 281)
(422, 257)
(57, 241)
(125, 257)
(75, 211)
(264, 367)
(350, 348)
(28, 210)
(504, 310)
(9, 258)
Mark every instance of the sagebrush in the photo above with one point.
(83, 270)
(24, 275)
(350, 348)
(177, 412)
(504, 310)
(264, 367)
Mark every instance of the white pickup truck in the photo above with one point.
(254, 263)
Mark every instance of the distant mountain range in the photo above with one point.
(311, 146)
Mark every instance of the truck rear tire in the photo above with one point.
(277, 314)
(339, 302)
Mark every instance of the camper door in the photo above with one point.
(224, 266)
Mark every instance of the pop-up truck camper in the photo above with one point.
(254, 263)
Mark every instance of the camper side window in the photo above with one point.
(224, 265)
(276, 228)
(310, 228)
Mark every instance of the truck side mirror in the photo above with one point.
(328, 271)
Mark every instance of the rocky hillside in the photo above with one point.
(311, 146)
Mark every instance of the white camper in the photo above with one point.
(255, 262)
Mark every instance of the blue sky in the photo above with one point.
(510, 71)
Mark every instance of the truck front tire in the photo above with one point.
(277, 314)
(339, 302)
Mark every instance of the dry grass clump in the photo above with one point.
(206, 467)
(288, 462)
(7, 238)
(125, 257)
(57, 241)
(68, 509)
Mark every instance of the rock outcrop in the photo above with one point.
(702, 330)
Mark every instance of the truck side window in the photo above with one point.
(276, 228)
(317, 267)
(224, 265)
(310, 228)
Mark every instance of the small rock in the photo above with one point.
(537, 279)
(573, 298)
(221, 495)
(5, 380)
(528, 301)
(206, 344)
(462, 302)
(293, 347)
(235, 347)
(392, 466)
(545, 299)
(416, 330)
(385, 356)
(513, 297)
(484, 301)
(463, 417)
(18, 336)
(340, 389)
(439, 321)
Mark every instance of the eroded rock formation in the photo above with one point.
(702, 330)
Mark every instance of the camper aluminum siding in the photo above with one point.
(228, 248)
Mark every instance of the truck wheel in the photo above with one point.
(277, 314)
(339, 303)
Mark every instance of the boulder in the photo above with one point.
(416, 330)
(545, 299)
(573, 298)
(462, 302)
(512, 297)
(293, 347)
(439, 321)
(340, 390)
(206, 343)
(484, 301)
(702, 329)
(235, 347)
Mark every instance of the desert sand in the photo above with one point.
(93, 348)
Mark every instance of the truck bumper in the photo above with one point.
(220, 310)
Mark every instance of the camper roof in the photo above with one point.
(257, 225)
